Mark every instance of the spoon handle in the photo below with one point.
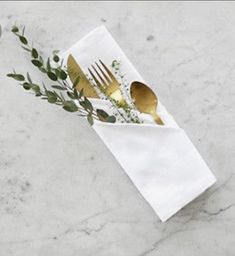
(157, 118)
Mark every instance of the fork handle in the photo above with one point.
(157, 119)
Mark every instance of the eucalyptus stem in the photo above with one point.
(58, 75)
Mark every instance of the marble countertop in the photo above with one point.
(61, 191)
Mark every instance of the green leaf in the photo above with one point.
(26, 86)
(59, 87)
(29, 78)
(70, 106)
(63, 75)
(75, 92)
(14, 29)
(102, 115)
(42, 69)
(84, 105)
(48, 93)
(36, 88)
(17, 77)
(34, 53)
(23, 40)
(23, 30)
(37, 63)
(52, 76)
(90, 119)
(45, 89)
(57, 72)
(52, 98)
(71, 95)
(88, 104)
(56, 58)
(48, 65)
(111, 119)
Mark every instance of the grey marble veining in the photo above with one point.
(61, 191)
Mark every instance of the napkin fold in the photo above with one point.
(161, 161)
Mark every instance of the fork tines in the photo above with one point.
(101, 75)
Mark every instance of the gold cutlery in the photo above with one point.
(107, 82)
(75, 71)
(145, 100)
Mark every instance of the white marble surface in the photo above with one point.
(61, 191)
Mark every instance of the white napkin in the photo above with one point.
(161, 161)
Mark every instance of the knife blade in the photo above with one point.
(74, 70)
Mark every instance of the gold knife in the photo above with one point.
(75, 71)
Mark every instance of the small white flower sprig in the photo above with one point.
(124, 113)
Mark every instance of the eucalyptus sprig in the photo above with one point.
(74, 101)
(84, 106)
(53, 71)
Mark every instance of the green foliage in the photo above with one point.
(42, 69)
(56, 58)
(52, 76)
(14, 29)
(34, 53)
(86, 104)
(48, 65)
(102, 115)
(63, 75)
(36, 63)
(111, 119)
(17, 77)
(71, 95)
(58, 75)
(90, 119)
(51, 96)
(75, 92)
(70, 106)
(36, 89)
(23, 40)
(59, 87)
(26, 86)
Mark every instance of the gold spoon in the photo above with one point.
(145, 100)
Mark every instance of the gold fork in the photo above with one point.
(107, 82)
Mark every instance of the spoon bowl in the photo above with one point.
(145, 100)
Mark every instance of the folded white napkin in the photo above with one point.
(161, 161)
